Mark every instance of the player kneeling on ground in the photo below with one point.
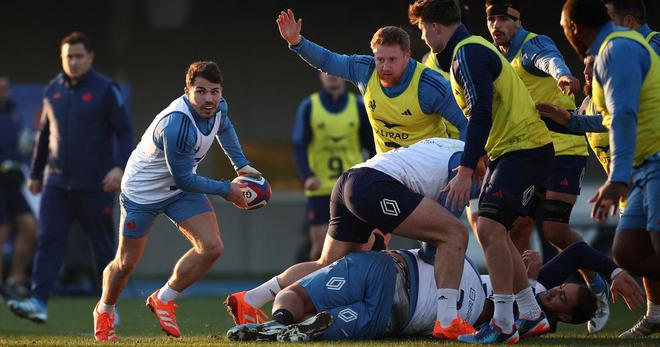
(341, 301)
(161, 178)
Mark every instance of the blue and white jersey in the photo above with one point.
(147, 178)
(422, 167)
(471, 298)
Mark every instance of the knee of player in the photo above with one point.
(213, 251)
(488, 237)
(458, 233)
(124, 266)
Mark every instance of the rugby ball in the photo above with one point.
(257, 192)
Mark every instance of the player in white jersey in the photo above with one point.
(396, 192)
(161, 177)
(397, 288)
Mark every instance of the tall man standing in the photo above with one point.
(83, 111)
(504, 124)
(541, 67)
(627, 95)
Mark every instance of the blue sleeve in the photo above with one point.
(621, 85)
(435, 96)
(302, 136)
(40, 155)
(541, 54)
(355, 68)
(121, 125)
(176, 136)
(655, 43)
(476, 77)
(228, 139)
(366, 132)
(587, 124)
(558, 128)
(574, 257)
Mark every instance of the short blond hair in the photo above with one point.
(390, 36)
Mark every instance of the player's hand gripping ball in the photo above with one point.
(257, 192)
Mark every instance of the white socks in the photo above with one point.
(503, 312)
(167, 294)
(652, 312)
(446, 309)
(527, 306)
(264, 293)
(101, 307)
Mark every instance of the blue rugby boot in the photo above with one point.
(491, 333)
(31, 308)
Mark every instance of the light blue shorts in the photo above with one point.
(358, 290)
(137, 219)
(643, 205)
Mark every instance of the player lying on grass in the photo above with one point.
(396, 192)
(342, 300)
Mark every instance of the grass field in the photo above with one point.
(203, 322)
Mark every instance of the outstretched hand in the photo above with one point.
(289, 27)
(607, 200)
(625, 286)
(568, 85)
(558, 114)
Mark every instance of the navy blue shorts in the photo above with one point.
(364, 199)
(318, 210)
(566, 174)
(12, 204)
(512, 180)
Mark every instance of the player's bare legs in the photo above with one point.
(115, 275)
(434, 224)
(295, 299)
(521, 232)
(332, 250)
(316, 238)
(637, 252)
(203, 233)
(493, 239)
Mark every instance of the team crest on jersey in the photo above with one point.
(390, 207)
(347, 315)
(372, 104)
(335, 283)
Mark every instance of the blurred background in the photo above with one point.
(147, 45)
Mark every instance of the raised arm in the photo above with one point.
(355, 68)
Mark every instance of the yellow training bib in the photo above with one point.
(335, 145)
(648, 112)
(399, 121)
(544, 89)
(516, 122)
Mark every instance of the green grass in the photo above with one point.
(203, 322)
